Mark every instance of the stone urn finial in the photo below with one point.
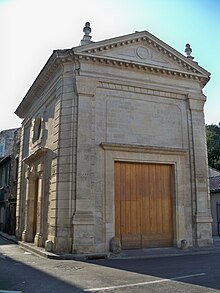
(188, 51)
(87, 29)
(86, 38)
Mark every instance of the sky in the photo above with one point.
(31, 29)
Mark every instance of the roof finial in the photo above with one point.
(188, 52)
(86, 38)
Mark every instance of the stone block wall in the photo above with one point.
(84, 112)
(145, 115)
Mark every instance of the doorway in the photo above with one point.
(144, 204)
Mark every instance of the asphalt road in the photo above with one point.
(24, 272)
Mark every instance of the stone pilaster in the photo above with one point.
(64, 184)
(83, 218)
(20, 198)
(27, 234)
(38, 239)
(201, 201)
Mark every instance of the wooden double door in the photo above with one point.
(144, 204)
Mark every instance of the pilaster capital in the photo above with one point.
(202, 217)
(86, 86)
(196, 101)
(40, 175)
(29, 173)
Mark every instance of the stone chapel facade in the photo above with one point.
(113, 144)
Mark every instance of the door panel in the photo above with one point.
(143, 204)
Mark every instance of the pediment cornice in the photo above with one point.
(50, 69)
(186, 67)
(39, 153)
(140, 66)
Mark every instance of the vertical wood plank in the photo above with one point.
(117, 179)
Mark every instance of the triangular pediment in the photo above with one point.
(140, 53)
(142, 48)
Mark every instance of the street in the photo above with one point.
(22, 271)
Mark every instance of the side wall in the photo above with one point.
(215, 199)
(36, 162)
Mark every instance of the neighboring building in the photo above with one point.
(8, 180)
(214, 185)
(113, 144)
(6, 142)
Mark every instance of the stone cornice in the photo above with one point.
(53, 64)
(153, 69)
(142, 149)
(34, 156)
(146, 90)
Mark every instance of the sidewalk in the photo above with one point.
(125, 254)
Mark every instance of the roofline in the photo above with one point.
(141, 34)
(49, 67)
(5, 159)
(214, 170)
(10, 129)
(214, 190)
(59, 56)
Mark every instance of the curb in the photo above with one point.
(37, 250)
(29, 247)
(110, 256)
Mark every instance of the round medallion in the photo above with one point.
(142, 52)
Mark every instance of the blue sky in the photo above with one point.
(32, 29)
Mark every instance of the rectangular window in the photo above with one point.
(1, 150)
(16, 168)
(218, 216)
